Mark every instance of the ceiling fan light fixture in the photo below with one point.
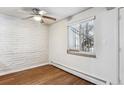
(37, 18)
(42, 12)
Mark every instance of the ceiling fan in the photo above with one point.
(39, 15)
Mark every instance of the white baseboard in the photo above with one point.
(72, 71)
(22, 69)
(80, 74)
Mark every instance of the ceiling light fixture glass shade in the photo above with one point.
(42, 12)
(37, 18)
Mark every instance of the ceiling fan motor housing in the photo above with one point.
(36, 11)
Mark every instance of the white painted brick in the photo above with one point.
(22, 43)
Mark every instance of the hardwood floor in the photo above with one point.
(45, 75)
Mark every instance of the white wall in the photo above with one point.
(22, 44)
(104, 66)
(122, 45)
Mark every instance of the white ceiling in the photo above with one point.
(56, 12)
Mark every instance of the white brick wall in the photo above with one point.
(22, 44)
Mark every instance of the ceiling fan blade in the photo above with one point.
(48, 17)
(32, 14)
(27, 17)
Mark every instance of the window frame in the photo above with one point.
(76, 51)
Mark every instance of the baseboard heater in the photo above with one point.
(87, 75)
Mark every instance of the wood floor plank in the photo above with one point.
(44, 75)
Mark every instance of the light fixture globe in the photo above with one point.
(42, 12)
(37, 18)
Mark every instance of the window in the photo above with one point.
(81, 38)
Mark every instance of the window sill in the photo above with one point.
(78, 53)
